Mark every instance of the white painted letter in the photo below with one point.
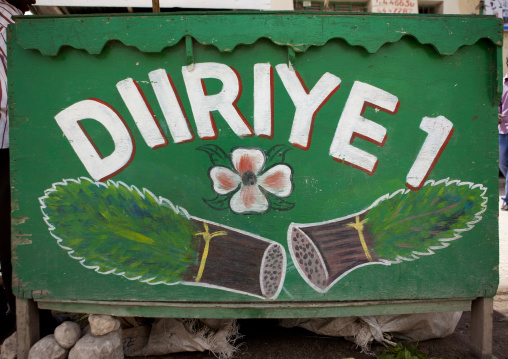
(171, 106)
(142, 113)
(224, 102)
(352, 124)
(98, 167)
(439, 130)
(307, 103)
(263, 100)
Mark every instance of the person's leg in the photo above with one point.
(5, 228)
(503, 164)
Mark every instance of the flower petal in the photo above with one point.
(277, 180)
(248, 159)
(249, 199)
(224, 180)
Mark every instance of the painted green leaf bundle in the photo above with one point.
(413, 223)
(400, 226)
(117, 229)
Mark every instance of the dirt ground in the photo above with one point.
(263, 339)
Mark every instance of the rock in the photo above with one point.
(67, 334)
(47, 348)
(135, 340)
(103, 324)
(107, 346)
(86, 331)
(10, 347)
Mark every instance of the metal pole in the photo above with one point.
(155, 6)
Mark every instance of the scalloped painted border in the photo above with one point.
(225, 31)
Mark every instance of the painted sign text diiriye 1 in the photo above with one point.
(307, 103)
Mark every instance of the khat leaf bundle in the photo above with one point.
(400, 226)
(117, 229)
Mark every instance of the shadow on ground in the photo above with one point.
(263, 339)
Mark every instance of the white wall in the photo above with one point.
(210, 4)
(468, 7)
(281, 5)
(446, 6)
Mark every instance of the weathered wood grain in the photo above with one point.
(482, 311)
(422, 66)
(286, 29)
(258, 310)
(27, 325)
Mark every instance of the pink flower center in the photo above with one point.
(244, 164)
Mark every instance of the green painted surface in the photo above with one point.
(112, 246)
(265, 310)
(300, 31)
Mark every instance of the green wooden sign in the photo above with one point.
(250, 159)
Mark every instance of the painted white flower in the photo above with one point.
(248, 164)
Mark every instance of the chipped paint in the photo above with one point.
(15, 221)
(19, 239)
(40, 293)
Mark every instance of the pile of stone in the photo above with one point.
(9, 348)
(105, 339)
(102, 339)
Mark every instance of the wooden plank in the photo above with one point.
(245, 180)
(27, 324)
(256, 310)
(482, 311)
(300, 31)
(156, 6)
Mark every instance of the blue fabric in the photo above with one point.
(503, 159)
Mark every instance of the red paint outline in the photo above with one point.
(272, 105)
(443, 146)
(370, 104)
(212, 119)
(235, 103)
(130, 134)
(153, 116)
(368, 139)
(304, 86)
(177, 95)
(89, 138)
(311, 131)
(355, 134)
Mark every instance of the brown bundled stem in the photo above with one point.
(331, 249)
(237, 261)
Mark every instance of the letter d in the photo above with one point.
(99, 167)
